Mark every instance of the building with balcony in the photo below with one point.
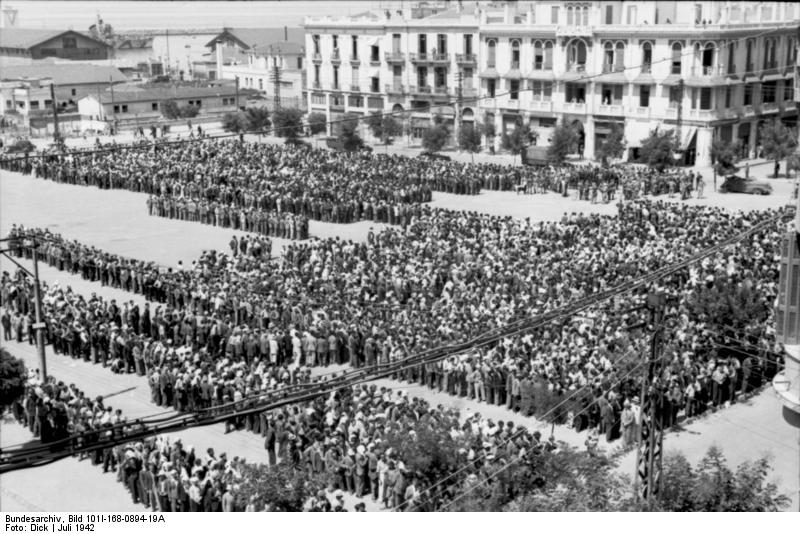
(705, 69)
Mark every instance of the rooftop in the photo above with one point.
(260, 37)
(26, 38)
(131, 94)
(63, 73)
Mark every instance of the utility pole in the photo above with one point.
(56, 132)
(276, 78)
(459, 96)
(39, 326)
(679, 118)
(651, 436)
(168, 66)
(113, 107)
(236, 88)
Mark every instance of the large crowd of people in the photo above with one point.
(450, 275)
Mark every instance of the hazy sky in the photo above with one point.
(79, 15)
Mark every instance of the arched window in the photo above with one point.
(608, 56)
(619, 56)
(748, 67)
(585, 21)
(570, 20)
(538, 55)
(576, 55)
(708, 58)
(548, 55)
(515, 54)
(677, 51)
(647, 56)
(492, 55)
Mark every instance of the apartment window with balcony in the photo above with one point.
(788, 89)
(318, 99)
(422, 44)
(375, 53)
(440, 77)
(613, 56)
(609, 14)
(542, 55)
(790, 52)
(728, 96)
(491, 87)
(644, 96)
(541, 90)
(647, 56)
(748, 66)
(355, 76)
(513, 89)
(316, 74)
(355, 101)
(731, 58)
(468, 44)
(396, 43)
(467, 78)
(354, 53)
(570, 19)
(612, 94)
(575, 92)
(769, 92)
(375, 84)
(677, 53)
(707, 59)
(748, 95)
(491, 56)
(554, 15)
(704, 96)
(422, 76)
(335, 77)
(315, 40)
(514, 54)
(441, 43)
(674, 97)
(335, 42)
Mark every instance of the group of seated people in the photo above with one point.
(451, 275)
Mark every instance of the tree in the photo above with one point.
(287, 122)
(777, 142)
(613, 146)
(348, 133)
(256, 119)
(391, 128)
(793, 163)
(279, 488)
(12, 379)
(563, 142)
(489, 130)
(317, 123)
(435, 137)
(469, 139)
(725, 155)
(658, 149)
(518, 139)
(171, 110)
(234, 122)
(21, 145)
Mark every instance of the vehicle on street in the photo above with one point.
(737, 184)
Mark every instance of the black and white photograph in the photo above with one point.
(398, 256)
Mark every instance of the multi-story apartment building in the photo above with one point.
(705, 69)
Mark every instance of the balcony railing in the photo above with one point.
(647, 68)
(576, 67)
(671, 113)
(748, 109)
(355, 87)
(316, 57)
(375, 61)
(317, 85)
(335, 56)
(429, 58)
(440, 89)
(421, 89)
(466, 59)
(707, 71)
(769, 107)
(515, 65)
(612, 68)
(610, 109)
(469, 91)
(640, 111)
(701, 114)
(394, 57)
(542, 65)
(574, 107)
(540, 105)
(394, 89)
(375, 89)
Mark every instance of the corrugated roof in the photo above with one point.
(26, 38)
(258, 37)
(165, 93)
(64, 73)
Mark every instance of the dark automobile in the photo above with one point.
(737, 184)
(434, 156)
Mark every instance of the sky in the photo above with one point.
(78, 15)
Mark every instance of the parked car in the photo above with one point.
(737, 184)
(434, 156)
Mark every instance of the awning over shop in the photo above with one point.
(490, 73)
(687, 134)
(773, 77)
(612, 77)
(672, 79)
(546, 75)
(645, 78)
(513, 74)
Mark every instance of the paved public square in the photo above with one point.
(117, 221)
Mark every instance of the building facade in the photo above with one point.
(23, 46)
(705, 69)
